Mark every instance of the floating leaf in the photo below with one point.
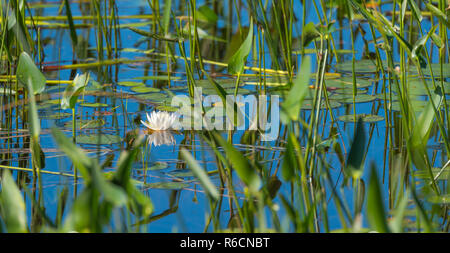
(348, 98)
(144, 89)
(56, 115)
(308, 104)
(94, 105)
(362, 66)
(167, 108)
(154, 97)
(159, 166)
(167, 185)
(182, 174)
(86, 124)
(347, 83)
(130, 84)
(368, 118)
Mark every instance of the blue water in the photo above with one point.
(190, 215)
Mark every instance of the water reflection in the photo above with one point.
(158, 138)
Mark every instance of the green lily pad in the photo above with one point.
(436, 68)
(182, 174)
(369, 118)
(349, 91)
(167, 185)
(53, 101)
(85, 124)
(308, 104)
(417, 105)
(178, 88)
(159, 166)
(154, 97)
(144, 89)
(348, 99)
(102, 139)
(57, 115)
(167, 108)
(388, 96)
(417, 87)
(93, 105)
(362, 66)
(347, 83)
(130, 84)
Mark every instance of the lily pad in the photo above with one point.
(182, 174)
(57, 115)
(130, 84)
(347, 98)
(417, 87)
(154, 97)
(348, 91)
(85, 124)
(102, 139)
(167, 185)
(369, 118)
(347, 83)
(417, 105)
(94, 105)
(362, 66)
(144, 89)
(308, 104)
(159, 166)
(436, 68)
(167, 108)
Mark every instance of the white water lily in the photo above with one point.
(160, 121)
(158, 138)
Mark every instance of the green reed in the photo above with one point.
(301, 165)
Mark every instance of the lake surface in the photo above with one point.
(117, 97)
